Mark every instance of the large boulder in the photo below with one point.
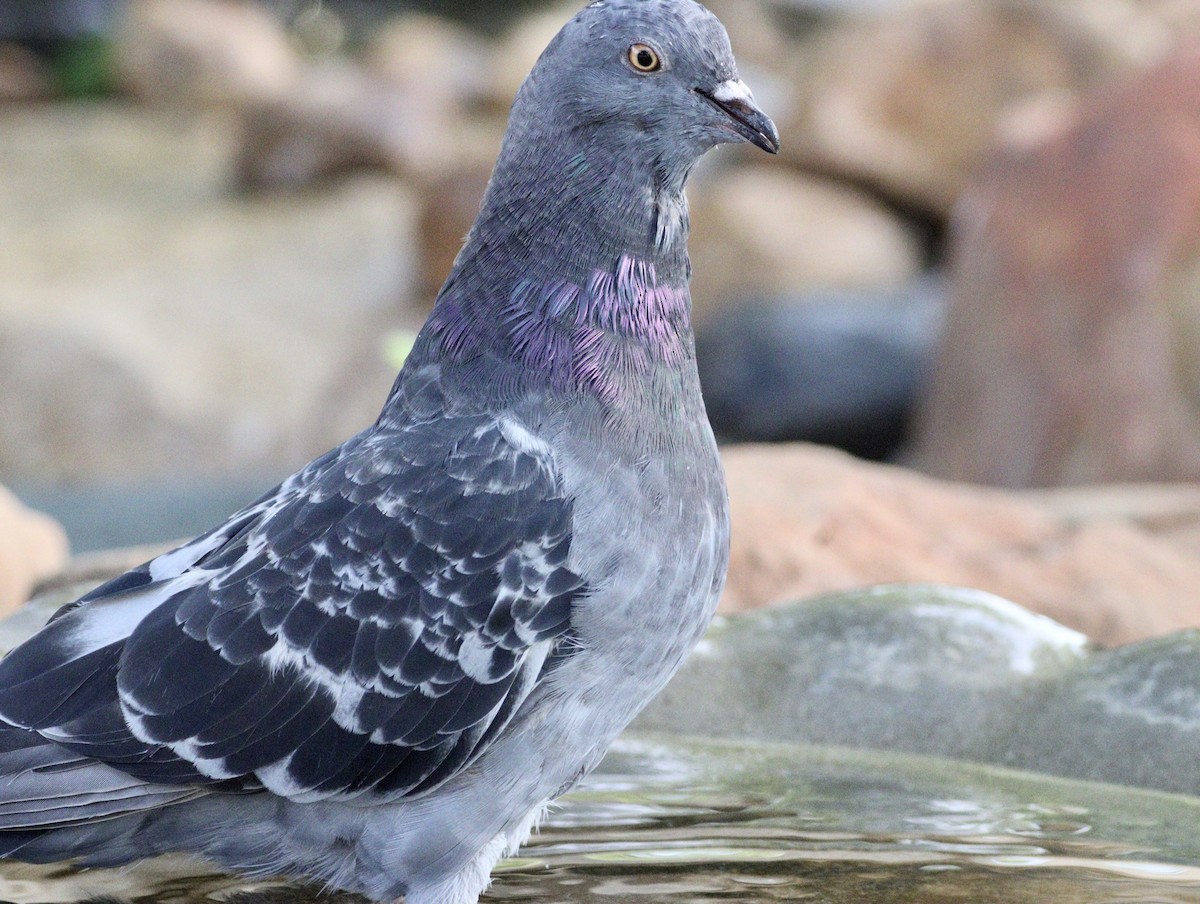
(1072, 345)
(432, 60)
(808, 520)
(407, 107)
(338, 118)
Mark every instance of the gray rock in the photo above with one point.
(837, 368)
(948, 672)
(1129, 716)
(924, 669)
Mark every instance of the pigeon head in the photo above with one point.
(576, 268)
(657, 77)
(605, 130)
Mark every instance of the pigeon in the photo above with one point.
(380, 674)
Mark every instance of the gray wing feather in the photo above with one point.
(59, 788)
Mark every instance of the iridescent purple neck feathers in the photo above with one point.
(573, 337)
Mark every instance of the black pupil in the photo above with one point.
(645, 58)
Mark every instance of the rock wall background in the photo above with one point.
(976, 257)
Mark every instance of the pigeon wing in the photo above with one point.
(368, 628)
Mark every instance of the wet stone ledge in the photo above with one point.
(947, 672)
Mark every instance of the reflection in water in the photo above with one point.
(704, 822)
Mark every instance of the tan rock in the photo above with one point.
(340, 117)
(759, 40)
(222, 52)
(908, 100)
(75, 409)
(337, 119)
(767, 230)
(808, 519)
(432, 61)
(521, 46)
(32, 546)
(1072, 345)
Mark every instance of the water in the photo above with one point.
(727, 822)
(664, 819)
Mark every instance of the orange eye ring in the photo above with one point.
(644, 58)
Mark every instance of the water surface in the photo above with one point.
(712, 821)
(667, 819)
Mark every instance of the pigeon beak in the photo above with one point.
(733, 98)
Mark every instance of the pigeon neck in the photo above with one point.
(575, 272)
(567, 205)
(590, 335)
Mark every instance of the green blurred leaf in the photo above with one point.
(396, 347)
(84, 67)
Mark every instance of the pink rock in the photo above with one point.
(1116, 566)
(32, 546)
(1072, 350)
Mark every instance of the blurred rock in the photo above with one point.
(1130, 709)
(156, 324)
(520, 47)
(922, 668)
(810, 520)
(209, 52)
(839, 368)
(77, 407)
(24, 76)
(340, 117)
(449, 205)
(1170, 511)
(432, 61)
(32, 547)
(1072, 345)
(760, 40)
(1165, 509)
(908, 100)
(764, 231)
(337, 119)
(947, 672)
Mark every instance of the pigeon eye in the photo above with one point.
(644, 58)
